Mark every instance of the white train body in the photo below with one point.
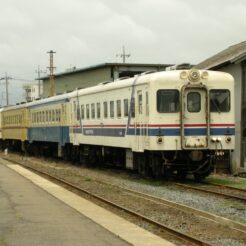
(167, 124)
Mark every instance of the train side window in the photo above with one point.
(112, 109)
(140, 103)
(126, 107)
(82, 112)
(147, 103)
(87, 111)
(220, 101)
(78, 113)
(105, 109)
(93, 110)
(57, 116)
(98, 110)
(193, 102)
(132, 105)
(53, 115)
(75, 109)
(118, 107)
(49, 115)
(168, 101)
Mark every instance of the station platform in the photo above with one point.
(35, 211)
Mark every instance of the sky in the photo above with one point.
(89, 32)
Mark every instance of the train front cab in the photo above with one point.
(195, 126)
(207, 121)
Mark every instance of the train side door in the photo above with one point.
(139, 122)
(194, 118)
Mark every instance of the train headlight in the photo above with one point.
(183, 75)
(194, 75)
(204, 75)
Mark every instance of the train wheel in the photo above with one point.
(143, 167)
(156, 165)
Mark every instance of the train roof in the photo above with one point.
(148, 78)
(121, 83)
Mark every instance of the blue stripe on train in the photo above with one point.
(120, 132)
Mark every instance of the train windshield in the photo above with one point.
(167, 101)
(219, 101)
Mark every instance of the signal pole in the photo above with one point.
(124, 55)
(39, 71)
(51, 68)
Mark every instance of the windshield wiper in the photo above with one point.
(215, 104)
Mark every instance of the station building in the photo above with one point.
(233, 60)
(90, 76)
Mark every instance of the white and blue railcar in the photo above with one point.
(174, 121)
(48, 129)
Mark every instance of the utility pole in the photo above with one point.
(6, 78)
(39, 71)
(51, 68)
(124, 55)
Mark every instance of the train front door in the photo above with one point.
(194, 118)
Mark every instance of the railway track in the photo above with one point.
(218, 190)
(186, 238)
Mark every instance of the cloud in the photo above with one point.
(88, 32)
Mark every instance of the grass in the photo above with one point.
(237, 183)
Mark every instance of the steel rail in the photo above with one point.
(211, 192)
(180, 235)
(225, 187)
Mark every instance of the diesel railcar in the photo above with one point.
(160, 123)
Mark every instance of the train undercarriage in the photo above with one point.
(156, 164)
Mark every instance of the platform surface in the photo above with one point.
(30, 216)
(35, 211)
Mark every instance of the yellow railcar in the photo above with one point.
(14, 123)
